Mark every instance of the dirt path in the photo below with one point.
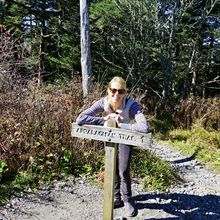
(198, 198)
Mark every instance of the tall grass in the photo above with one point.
(195, 110)
(199, 142)
(154, 173)
(35, 131)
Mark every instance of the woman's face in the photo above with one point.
(116, 92)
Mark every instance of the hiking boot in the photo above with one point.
(130, 209)
(118, 203)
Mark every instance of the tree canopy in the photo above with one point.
(167, 48)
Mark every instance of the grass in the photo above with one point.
(155, 173)
(21, 182)
(161, 127)
(206, 144)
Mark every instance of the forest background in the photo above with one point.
(168, 52)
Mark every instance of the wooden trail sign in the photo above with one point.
(111, 136)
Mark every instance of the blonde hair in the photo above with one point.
(119, 80)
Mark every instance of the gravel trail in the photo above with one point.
(196, 198)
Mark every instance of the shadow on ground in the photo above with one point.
(182, 206)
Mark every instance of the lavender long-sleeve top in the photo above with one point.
(89, 117)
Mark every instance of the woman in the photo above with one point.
(128, 115)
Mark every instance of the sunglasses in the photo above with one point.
(120, 91)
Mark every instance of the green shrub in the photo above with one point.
(155, 173)
(3, 168)
(24, 180)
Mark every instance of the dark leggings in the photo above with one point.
(122, 178)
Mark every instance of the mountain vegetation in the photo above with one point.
(168, 52)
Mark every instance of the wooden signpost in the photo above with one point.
(112, 136)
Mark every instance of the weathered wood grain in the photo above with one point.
(113, 135)
(109, 180)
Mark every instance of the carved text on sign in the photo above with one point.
(114, 135)
(105, 134)
(95, 132)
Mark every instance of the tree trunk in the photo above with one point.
(167, 72)
(187, 88)
(85, 47)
